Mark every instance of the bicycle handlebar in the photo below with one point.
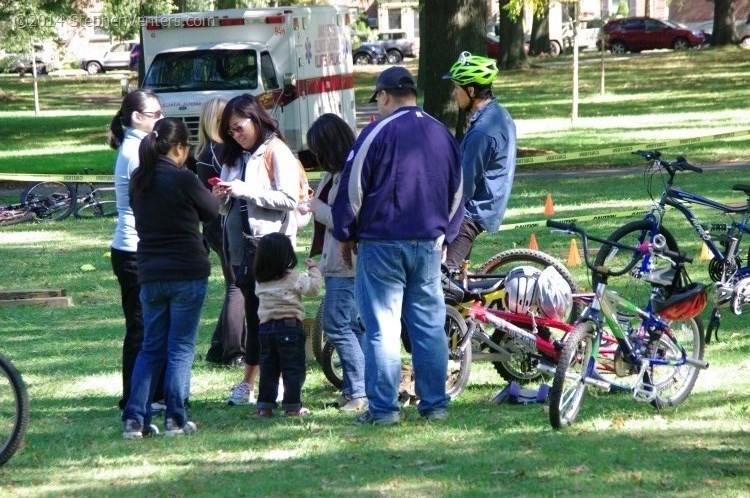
(679, 164)
(658, 246)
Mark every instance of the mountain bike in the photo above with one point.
(14, 409)
(510, 351)
(727, 269)
(70, 198)
(659, 349)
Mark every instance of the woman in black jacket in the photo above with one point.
(168, 203)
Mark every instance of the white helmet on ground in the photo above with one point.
(555, 298)
(520, 289)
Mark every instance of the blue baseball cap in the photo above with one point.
(393, 78)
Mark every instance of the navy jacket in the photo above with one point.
(402, 180)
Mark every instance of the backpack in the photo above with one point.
(305, 192)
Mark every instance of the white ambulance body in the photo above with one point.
(296, 60)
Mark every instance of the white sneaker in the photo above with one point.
(172, 429)
(242, 394)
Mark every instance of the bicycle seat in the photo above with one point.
(742, 188)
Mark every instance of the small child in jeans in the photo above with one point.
(280, 288)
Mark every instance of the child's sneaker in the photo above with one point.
(172, 429)
(265, 412)
(134, 430)
(242, 394)
(300, 412)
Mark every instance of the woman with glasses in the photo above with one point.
(228, 340)
(138, 113)
(169, 203)
(259, 192)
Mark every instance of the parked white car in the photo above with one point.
(588, 33)
(115, 57)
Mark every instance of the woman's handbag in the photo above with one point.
(245, 278)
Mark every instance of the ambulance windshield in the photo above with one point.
(195, 70)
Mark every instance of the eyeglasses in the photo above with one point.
(233, 130)
(153, 114)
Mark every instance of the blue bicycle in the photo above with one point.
(730, 266)
(659, 348)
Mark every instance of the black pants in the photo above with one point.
(125, 268)
(252, 346)
(282, 352)
(228, 339)
(460, 248)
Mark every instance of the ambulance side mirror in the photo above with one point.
(290, 85)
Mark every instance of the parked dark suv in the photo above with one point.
(369, 53)
(634, 34)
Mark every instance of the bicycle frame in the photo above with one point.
(677, 199)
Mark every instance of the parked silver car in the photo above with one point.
(115, 57)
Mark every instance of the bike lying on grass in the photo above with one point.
(510, 353)
(14, 409)
(656, 360)
(65, 199)
(726, 268)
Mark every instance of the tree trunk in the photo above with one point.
(540, 34)
(447, 28)
(723, 33)
(512, 54)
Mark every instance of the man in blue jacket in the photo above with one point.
(488, 153)
(400, 201)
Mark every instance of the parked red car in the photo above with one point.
(634, 34)
(492, 42)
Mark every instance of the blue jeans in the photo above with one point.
(282, 352)
(343, 330)
(171, 311)
(401, 279)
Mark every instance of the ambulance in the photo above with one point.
(296, 60)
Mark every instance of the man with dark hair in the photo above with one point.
(400, 200)
(488, 152)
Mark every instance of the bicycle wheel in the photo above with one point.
(97, 209)
(522, 367)
(14, 409)
(631, 285)
(673, 384)
(318, 335)
(568, 390)
(50, 201)
(459, 362)
(329, 360)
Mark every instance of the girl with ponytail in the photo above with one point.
(139, 111)
(169, 203)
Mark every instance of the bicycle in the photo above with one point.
(510, 353)
(726, 268)
(67, 198)
(661, 370)
(14, 409)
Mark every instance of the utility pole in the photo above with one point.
(33, 72)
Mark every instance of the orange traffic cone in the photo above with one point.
(574, 258)
(549, 208)
(532, 243)
(705, 253)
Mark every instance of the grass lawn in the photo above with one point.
(653, 96)
(70, 359)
